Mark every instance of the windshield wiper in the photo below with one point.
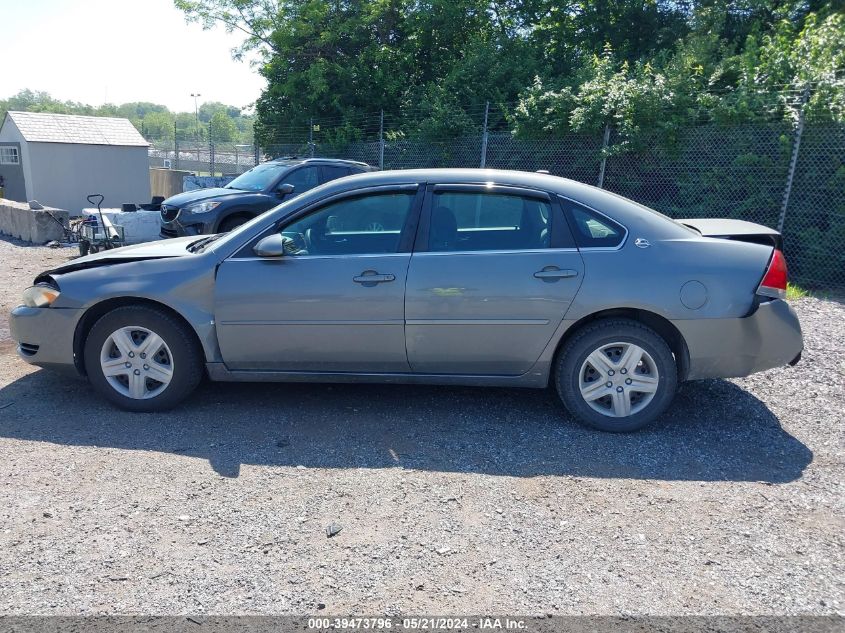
(199, 247)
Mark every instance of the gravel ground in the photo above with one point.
(450, 499)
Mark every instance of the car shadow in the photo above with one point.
(714, 431)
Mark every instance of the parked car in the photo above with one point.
(219, 210)
(470, 277)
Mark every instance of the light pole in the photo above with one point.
(197, 118)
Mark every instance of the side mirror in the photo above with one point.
(270, 246)
(284, 190)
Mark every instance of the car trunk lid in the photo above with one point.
(738, 230)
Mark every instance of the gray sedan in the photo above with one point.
(471, 277)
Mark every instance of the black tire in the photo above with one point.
(594, 336)
(231, 222)
(186, 354)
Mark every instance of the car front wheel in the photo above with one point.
(142, 359)
(616, 375)
(233, 222)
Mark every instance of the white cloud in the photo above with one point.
(120, 50)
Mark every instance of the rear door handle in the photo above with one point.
(551, 272)
(372, 277)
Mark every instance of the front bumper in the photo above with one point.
(728, 348)
(177, 229)
(44, 336)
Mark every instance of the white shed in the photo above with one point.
(59, 159)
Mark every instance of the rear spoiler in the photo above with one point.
(738, 230)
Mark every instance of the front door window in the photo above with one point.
(365, 225)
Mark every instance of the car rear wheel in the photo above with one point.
(142, 358)
(616, 375)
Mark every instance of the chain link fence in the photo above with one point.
(225, 159)
(731, 171)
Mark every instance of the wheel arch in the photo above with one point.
(660, 324)
(245, 213)
(96, 311)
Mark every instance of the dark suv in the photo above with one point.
(260, 189)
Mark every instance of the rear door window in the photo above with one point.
(469, 221)
(302, 179)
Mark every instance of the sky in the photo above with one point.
(116, 51)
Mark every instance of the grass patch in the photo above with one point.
(794, 292)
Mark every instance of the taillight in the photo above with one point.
(774, 281)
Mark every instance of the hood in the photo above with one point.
(176, 247)
(182, 199)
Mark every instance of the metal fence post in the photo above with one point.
(793, 162)
(603, 164)
(175, 163)
(257, 154)
(381, 141)
(211, 158)
(311, 135)
(484, 135)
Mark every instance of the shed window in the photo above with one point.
(9, 156)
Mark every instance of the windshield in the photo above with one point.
(258, 178)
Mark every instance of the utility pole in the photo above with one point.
(484, 135)
(197, 118)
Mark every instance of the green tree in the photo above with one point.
(221, 128)
(337, 61)
(186, 128)
(245, 129)
(158, 126)
(209, 108)
(39, 101)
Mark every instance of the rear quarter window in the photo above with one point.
(592, 229)
(333, 172)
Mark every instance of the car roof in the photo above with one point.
(527, 179)
(620, 208)
(295, 160)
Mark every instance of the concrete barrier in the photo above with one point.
(138, 226)
(18, 220)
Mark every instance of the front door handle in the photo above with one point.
(553, 272)
(371, 277)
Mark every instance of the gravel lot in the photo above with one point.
(450, 499)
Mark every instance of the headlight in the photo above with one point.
(40, 296)
(201, 207)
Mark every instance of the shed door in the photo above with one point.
(11, 172)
